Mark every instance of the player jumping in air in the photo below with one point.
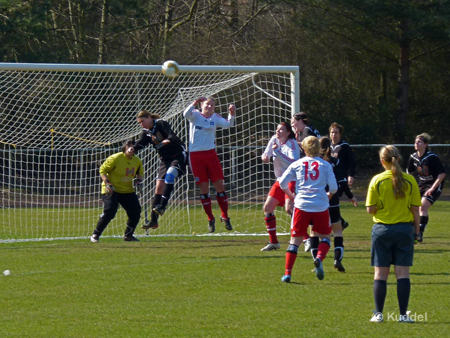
(173, 158)
(203, 160)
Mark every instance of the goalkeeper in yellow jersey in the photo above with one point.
(119, 186)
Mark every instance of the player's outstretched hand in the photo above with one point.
(200, 100)
(232, 109)
(354, 201)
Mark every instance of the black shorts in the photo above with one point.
(434, 196)
(335, 214)
(392, 244)
(178, 162)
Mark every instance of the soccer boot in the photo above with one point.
(271, 246)
(94, 238)
(159, 209)
(130, 238)
(406, 318)
(286, 279)
(227, 223)
(377, 317)
(150, 225)
(319, 268)
(307, 243)
(212, 225)
(338, 265)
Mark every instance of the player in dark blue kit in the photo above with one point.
(173, 157)
(342, 150)
(431, 175)
(334, 209)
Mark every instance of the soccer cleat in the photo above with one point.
(377, 317)
(344, 224)
(150, 225)
(307, 243)
(212, 225)
(319, 268)
(130, 238)
(227, 223)
(159, 209)
(271, 246)
(94, 238)
(420, 240)
(286, 279)
(406, 318)
(338, 265)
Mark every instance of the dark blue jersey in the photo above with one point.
(428, 168)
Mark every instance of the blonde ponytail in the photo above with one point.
(390, 154)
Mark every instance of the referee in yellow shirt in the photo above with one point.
(117, 173)
(393, 199)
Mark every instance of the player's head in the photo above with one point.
(128, 145)
(311, 146)
(284, 131)
(325, 151)
(421, 142)
(145, 119)
(299, 121)
(335, 131)
(208, 107)
(390, 158)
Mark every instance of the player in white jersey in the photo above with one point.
(285, 150)
(203, 159)
(312, 174)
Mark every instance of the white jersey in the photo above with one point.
(284, 154)
(312, 175)
(202, 129)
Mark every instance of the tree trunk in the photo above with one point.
(403, 84)
(101, 38)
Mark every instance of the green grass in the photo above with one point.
(214, 287)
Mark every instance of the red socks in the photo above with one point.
(222, 199)
(271, 225)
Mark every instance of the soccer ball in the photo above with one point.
(171, 69)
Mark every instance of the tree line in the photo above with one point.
(381, 68)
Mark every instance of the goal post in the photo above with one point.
(60, 122)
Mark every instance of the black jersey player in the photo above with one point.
(431, 174)
(342, 150)
(303, 129)
(172, 153)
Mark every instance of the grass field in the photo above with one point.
(215, 287)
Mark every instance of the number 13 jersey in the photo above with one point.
(312, 175)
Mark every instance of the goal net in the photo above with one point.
(60, 122)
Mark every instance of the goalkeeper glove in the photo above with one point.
(138, 185)
(109, 189)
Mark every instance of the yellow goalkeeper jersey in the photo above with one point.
(121, 171)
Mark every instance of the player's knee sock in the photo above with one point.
(291, 256)
(403, 292)
(324, 246)
(423, 223)
(166, 194)
(379, 294)
(156, 200)
(314, 241)
(271, 225)
(222, 199)
(206, 203)
(338, 248)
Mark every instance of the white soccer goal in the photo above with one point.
(60, 122)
